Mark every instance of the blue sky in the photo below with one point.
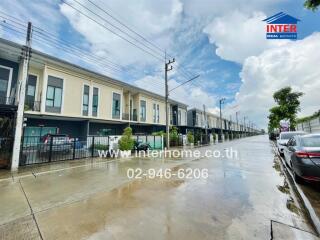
(223, 41)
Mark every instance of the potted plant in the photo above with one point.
(126, 142)
(174, 137)
(190, 138)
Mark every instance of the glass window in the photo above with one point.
(57, 97)
(289, 135)
(4, 79)
(154, 113)
(50, 96)
(143, 110)
(3, 85)
(54, 94)
(116, 105)
(158, 113)
(311, 141)
(179, 117)
(95, 101)
(85, 100)
(31, 90)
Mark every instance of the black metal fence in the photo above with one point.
(7, 100)
(6, 144)
(35, 150)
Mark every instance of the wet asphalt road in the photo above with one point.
(239, 199)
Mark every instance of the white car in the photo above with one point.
(284, 137)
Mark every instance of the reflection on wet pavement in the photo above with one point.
(237, 201)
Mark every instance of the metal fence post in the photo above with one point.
(74, 148)
(50, 149)
(92, 147)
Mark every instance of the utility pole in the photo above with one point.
(21, 92)
(244, 125)
(237, 121)
(166, 70)
(206, 122)
(221, 101)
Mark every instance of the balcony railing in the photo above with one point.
(125, 116)
(7, 100)
(32, 106)
(133, 117)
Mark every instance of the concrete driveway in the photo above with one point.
(239, 200)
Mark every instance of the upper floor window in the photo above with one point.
(179, 117)
(85, 100)
(54, 94)
(95, 101)
(143, 110)
(116, 105)
(31, 91)
(5, 84)
(156, 113)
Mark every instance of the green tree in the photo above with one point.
(190, 137)
(287, 108)
(126, 141)
(312, 4)
(174, 135)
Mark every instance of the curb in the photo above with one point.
(305, 201)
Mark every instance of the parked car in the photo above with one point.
(283, 139)
(141, 146)
(303, 156)
(56, 143)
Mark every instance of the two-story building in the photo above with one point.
(65, 98)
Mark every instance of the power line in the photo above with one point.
(47, 35)
(184, 83)
(124, 25)
(110, 30)
(184, 72)
(53, 44)
(179, 69)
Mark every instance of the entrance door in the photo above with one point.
(5, 84)
(6, 135)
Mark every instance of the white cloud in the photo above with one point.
(238, 35)
(209, 8)
(153, 19)
(294, 64)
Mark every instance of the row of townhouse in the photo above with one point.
(64, 98)
(79, 102)
(205, 120)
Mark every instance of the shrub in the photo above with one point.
(126, 141)
(174, 135)
(190, 137)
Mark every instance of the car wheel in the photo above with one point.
(297, 178)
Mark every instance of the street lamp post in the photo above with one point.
(221, 101)
(237, 123)
(244, 125)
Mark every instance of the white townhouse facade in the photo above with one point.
(69, 99)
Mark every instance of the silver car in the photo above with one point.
(283, 139)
